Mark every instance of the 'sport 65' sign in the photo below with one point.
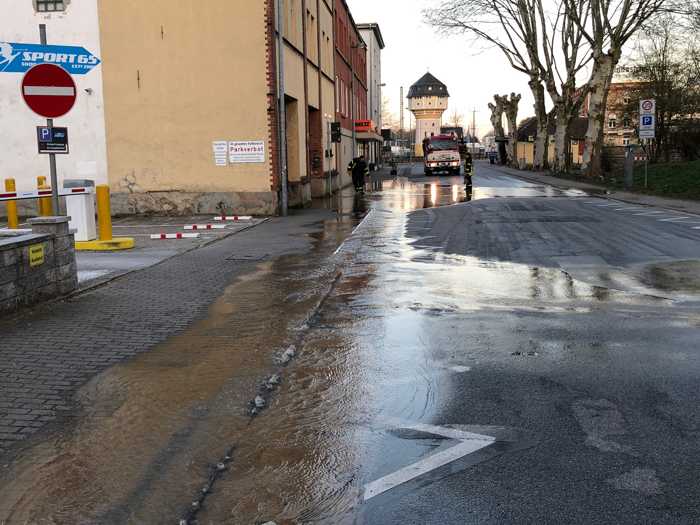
(20, 58)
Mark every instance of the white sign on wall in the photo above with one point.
(250, 151)
(220, 148)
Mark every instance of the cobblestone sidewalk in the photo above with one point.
(48, 353)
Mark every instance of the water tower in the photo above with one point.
(427, 100)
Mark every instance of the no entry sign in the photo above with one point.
(48, 90)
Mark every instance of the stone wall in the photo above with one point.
(173, 203)
(36, 265)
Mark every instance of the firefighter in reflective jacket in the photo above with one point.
(359, 169)
(468, 169)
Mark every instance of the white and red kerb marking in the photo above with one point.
(205, 226)
(49, 90)
(164, 236)
(234, 218)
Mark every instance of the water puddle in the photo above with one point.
(148, 431)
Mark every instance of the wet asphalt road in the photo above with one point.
(519, 355)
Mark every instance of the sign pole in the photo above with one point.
(52, 156)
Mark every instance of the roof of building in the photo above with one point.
(428, 86)
(528, 128)
(377, 32)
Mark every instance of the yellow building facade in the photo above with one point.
(191, 103)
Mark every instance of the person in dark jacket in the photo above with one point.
(359, 169)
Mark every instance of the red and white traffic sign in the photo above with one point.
(49, 90)
(648, 106)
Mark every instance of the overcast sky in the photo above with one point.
(472, 73)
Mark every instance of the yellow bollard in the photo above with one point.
(105, 241)
(12, 216)
(45, 204)
(104, 213)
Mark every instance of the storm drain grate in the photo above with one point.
(248, 257)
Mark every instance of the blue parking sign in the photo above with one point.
(647, 120)
(45, 134)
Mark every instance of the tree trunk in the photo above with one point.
(541, 146)
(541, 141)
(511, 111)
(561, 135)
(601, 76)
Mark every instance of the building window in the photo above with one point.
(626, 122)
(49, 5)
(337, 94)
(612, 123)
(626, 100)
(625, 142)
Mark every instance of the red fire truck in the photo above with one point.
(441, 155)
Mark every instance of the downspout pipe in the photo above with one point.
(281, 110)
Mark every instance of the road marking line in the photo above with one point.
(651, 213)
(606, 205)
(671, 219)
(636, 208)
(469, 443)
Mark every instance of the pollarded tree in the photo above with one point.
(497, 123)
(513, 27)
(510, 108)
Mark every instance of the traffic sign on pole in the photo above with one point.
(49, 90)
(647, 119)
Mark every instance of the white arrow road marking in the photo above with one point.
(49, 91)
(468, 444)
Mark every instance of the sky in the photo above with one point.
(472, 72)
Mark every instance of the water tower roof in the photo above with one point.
(428, 86)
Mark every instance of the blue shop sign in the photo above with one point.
(20, 58)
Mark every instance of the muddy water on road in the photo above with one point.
(369, 357)
(142, 446)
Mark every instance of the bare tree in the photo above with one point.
(607, 28)
(512, 26)
(456, 119)
(565, 55)
(389, 118)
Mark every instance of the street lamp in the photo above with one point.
(359, 45)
